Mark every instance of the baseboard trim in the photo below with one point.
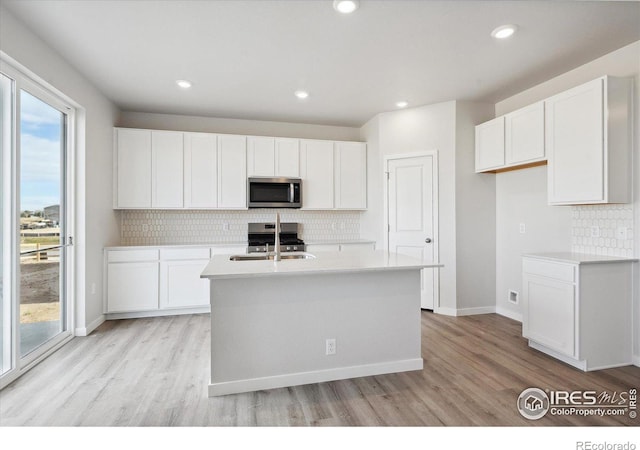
(508, 313)
(86, 331)
(446, 311)
(296, 379)
(158, 313)
(475, 311)
(636, 360)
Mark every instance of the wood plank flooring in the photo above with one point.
(154, 372)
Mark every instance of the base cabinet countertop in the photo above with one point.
(578, 308)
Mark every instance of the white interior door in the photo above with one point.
(412, 215)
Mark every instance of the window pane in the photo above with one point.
(41, 176)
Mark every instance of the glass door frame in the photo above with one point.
(40, 90)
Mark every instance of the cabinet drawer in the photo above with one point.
(558, 271)
(131, 255)
(184, 253)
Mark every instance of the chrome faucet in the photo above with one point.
(276, 256)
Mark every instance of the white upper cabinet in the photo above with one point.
(261, 156)
(350, 175)
(317, 170)
(132, 168)
(167, 157)
(200, 170)
(588, 141)
(490, 145)
(273, 157)
(524, 135)
(156, 169)
(287, 157)
(232, 171)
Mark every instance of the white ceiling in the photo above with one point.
(246, 58)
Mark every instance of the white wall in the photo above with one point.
(548, 228)
(475, 217)
(97, 224)
(236, 126)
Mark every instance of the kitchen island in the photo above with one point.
(299, 321)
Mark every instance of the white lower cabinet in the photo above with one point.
(132, 281)
(580, 311)
(180, 282)
(157, 281)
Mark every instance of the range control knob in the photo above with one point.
(288, 248)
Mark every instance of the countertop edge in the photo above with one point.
(580, 258)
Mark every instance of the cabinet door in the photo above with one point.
(167, 174)
(181, 285)
(351, 175)
(260, 156)
(575, 145)
(232, 172)
(490, 145)
(313, 248)
(133, 169)
(287, 157)
(200, 170)
(132, 286)
(549, 316)
(524, 135)
(316, 168)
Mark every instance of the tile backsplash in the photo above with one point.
(600, 229)
(165, 227)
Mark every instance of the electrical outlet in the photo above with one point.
(330, 347)
(595, 231)
(145, 227)
(334, 226)
(522, 228)
(513, 297)
(225, 226)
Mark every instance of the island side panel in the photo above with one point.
(271, 332)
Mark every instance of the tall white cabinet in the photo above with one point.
(316, 169)
(132, 168)
(167, 157)
(200, 170)
(232, 171)
(588, 139)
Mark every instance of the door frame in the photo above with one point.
(24, 79)
(436, 209)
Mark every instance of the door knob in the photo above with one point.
(428, 240)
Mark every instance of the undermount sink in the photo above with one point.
(270, 256)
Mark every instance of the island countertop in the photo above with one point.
(221, 267)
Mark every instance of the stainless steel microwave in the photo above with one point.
(270, 192)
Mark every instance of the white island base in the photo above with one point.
(271, 330)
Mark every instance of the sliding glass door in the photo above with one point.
(42, 222)
(36, 218)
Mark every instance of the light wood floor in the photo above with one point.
(154, 372)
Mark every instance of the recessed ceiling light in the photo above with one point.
(402, 104)
(301, 94)
(504, 31)
(346, 6)
(184, 84)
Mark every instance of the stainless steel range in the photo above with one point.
(263, 234)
